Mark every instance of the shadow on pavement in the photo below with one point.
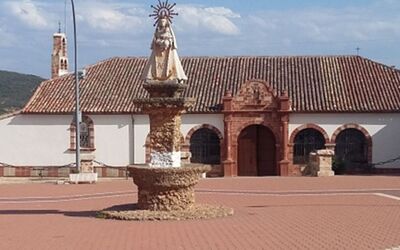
(49, 212)
(123, 207)
(89, 214)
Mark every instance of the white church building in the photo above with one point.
(253, 116)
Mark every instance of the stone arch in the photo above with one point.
(248, 124)
(206, 126)
(360, 128)
(308, 126)
(354, 126)
(148, 148)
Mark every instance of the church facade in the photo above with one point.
(253, 116)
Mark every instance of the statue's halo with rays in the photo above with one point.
(163, 10)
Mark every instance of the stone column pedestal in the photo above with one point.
(284, 168)
(87, 174)
(165, 108)
(321, 163)
(87, 163)
(229, 170)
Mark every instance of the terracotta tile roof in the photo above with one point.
(314, 83)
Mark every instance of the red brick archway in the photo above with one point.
(306, 126)
(256, 103)
(360, 128)
(295, 169)
(208, 126)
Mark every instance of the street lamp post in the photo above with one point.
(77, 108)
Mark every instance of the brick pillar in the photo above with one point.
(284, 105)
(228, 163)
(284, 163)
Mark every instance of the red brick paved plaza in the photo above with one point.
(346, 212)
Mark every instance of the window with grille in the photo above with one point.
(84, 137)
(305, 142)
(205, 147)
(352, 148)
(86, 134)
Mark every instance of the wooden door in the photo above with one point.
(256, 152)
(266, 152)
(247, 155)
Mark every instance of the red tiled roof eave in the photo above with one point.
(315, 84)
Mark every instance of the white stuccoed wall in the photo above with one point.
(141, 130)
(113, 139)
(44, 140)
(35, 140)
(384, 129)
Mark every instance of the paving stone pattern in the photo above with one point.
(270, 213)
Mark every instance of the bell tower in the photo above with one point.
(59, 57)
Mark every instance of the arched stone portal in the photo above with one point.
(257, 104)
(257, 152)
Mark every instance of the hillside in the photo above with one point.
(16, 89)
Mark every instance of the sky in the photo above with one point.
(110, 28)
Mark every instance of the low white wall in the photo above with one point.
(383, 128)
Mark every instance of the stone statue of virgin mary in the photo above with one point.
(164, 63)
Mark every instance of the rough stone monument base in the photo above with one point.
(196, 212)
(166, 194)
(166, 189)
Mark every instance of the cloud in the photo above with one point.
(28, 13)
(335, 24)
(214, 19)
(124, 28)
(110, 17)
